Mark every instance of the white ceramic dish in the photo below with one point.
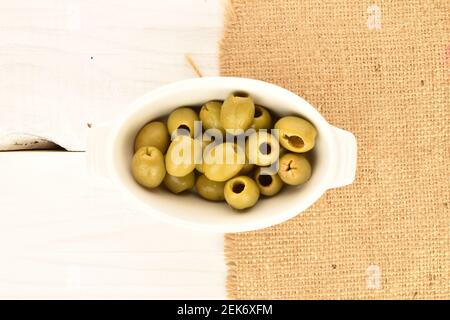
(110, 149)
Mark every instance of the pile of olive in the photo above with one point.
(224, 170)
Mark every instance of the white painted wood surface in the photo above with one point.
(66, 63)
(65, 235)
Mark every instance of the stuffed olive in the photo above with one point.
(296, 134)
(241, 192)
(153, 134)
(269, 183)
(237, 113)
(294, 169)
(147, 167)
(181, 122)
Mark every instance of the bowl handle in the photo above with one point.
(345, 166)
(96, 153)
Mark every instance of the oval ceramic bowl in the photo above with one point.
(110, 149)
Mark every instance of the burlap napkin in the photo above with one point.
(381, 70)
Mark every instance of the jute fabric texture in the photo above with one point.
(380, 69)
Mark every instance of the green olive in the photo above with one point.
(294, 169)
(204, 144)
(182, 119)
(223, 161)
(269, 184)
(199, 167)
(210, 190)
(180, 157)
(153, 134)
(179, 184)
(283, 151)
(262, 148)
(237, 113)
(262, 119)
(210, 115)
(241, 192)
(247, 168)
(147, 167)
(296, 134)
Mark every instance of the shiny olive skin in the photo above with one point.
(237, 113)
(199, 167)
(294, 169)
(179, 184)
(262, 118)
(204, 144)
(241, 192)
(269, 184)
(182, 118)
(210, 115)
(210, 190)
(153, 134)
(262, 148)
(180, 157)
(296, 134)
(246, 169)
(283, 151)
(223, 161)
(147, 167)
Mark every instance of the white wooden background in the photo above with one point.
(66, 63)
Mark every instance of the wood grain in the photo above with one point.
(64, 64)
(65, 235)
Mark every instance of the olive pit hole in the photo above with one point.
(183, 130)
(258, 112)
(265, 180)
(240, 94)
(295, 141)
(238, 187)
(149, 151)
(265, 148)
(289, 165)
